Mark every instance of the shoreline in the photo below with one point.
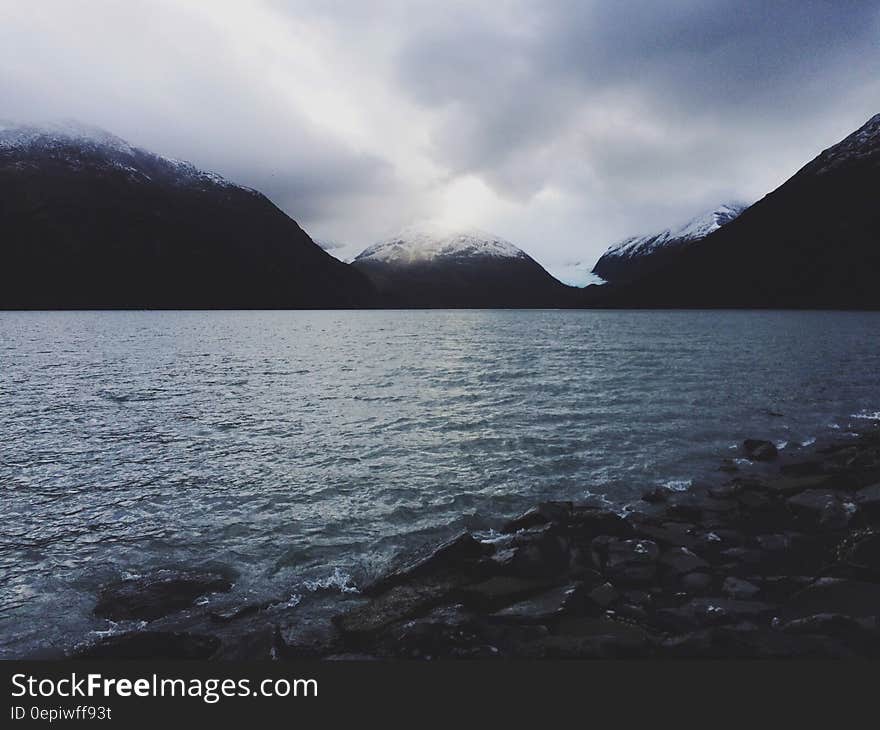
(784, 563)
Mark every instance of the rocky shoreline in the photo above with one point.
(784, 563)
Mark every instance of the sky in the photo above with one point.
(561, 125)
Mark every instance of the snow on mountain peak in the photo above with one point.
(68, 139)
(694, 230)
(861, 144)
(426, 243)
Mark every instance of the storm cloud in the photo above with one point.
(561, 125)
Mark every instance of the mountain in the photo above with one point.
(813, 242)
(88, 220)
(425, 267)
(635, 257)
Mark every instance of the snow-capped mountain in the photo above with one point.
(85, 146)
(813, 242)
(634, 257)
(429, 266)
(424, 244)
(89, 220)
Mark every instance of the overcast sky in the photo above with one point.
(562, 125)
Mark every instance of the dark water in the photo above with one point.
(304, 449)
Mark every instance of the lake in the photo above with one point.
(304, 450)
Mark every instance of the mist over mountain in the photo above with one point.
(88, 220)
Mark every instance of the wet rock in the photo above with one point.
(153, 645)
(864, 553)
(603, 596)
(657, 495)
(399, 603)
(791, 485)
(544, 607)
(748, 642)
(157, 594)
(587, 523)
(712, 611)
(759, 450)
(739, 589)
(868, 500)
(499, 591)
(237, 611)
(822, 508)
(543, 514)
(590, 638)
(444, 632)
(460, 555)
(675, 534)
(539, 552)
(852, 598)
(803, 468)
(696, 583)
(628, 562)
(306, 639)
(678, 561)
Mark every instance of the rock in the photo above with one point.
(539, 552)
(759, 450)
(157, 594)
(822, 508)
(499, 591)
(696, 582)
(749, 642)
(602, 596)
(852, 598)
(868, 500)
(590, 638)
(739, 588)
(399, 603)
(657, 495)
(712, 611)
(589, 522)
(627, 561)
(544, 607)
(541, 515)
(676, 534)
(152, 645)
(445, 632)
(678, 561)
(864, 553)
(307, 639)
(234, 612)
(459, 554)
(803, 468)
(791, 485)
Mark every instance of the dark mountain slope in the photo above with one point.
(440, 269)
(813, 242)
(89, 221)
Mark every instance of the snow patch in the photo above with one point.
(694, 230)
(427, 243)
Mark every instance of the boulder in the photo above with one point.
(828, 595)
(603, 596)
(544, 607)
(152, 645)
(499, 591)
(759, 450)
(822, 508)
(712, 611)
(399, 603)
(868, 500)
(158, 594)
(457, 555)
(541, 515)
(679, 560)
(739, 588)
